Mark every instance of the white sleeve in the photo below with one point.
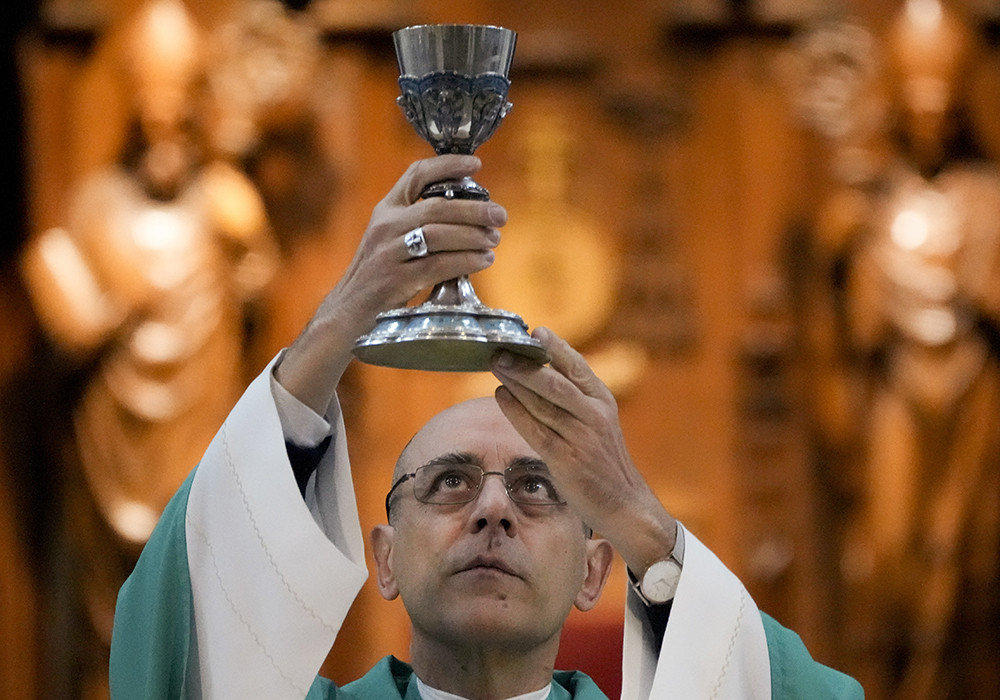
(714, 645)
(300, 425)
(271, 582)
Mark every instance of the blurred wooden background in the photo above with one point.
(659, 185)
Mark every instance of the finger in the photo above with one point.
(438, 210)
(423, 172)
(544, 393)
(535, 433)
(442, 225)
(426, 272)
(571, 364)
(544, 389)
(511, 368)
(556, 419)
(447, 238)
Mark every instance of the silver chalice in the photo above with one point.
(453, 80)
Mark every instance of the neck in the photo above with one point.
(480, 672)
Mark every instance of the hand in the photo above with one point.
(567, 415)
(460, 235)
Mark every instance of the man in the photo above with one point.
(239, 593)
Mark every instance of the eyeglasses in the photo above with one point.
(452, 483)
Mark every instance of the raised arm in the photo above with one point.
(716, 643)
(460, 237)
(242, 587)
(570, 418)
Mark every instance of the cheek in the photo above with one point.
(565, 560)
(416, 555)
(408, 558)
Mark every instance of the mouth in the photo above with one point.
(487, 564)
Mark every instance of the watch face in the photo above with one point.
(659, 583)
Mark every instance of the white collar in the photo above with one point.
(429, 693)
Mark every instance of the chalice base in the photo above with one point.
(446, 338)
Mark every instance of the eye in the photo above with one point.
(451, 480)
(445, 482)
(532, 485)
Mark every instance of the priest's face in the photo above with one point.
(489, 572)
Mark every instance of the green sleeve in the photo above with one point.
(151, 643)
(796, 676)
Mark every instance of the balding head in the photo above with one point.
(475, 416)
(490, 571)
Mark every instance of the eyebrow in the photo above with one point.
(454, 458)
(529, 462)
(461, 458)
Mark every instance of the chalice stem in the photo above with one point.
(454, 292)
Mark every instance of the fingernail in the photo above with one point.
(497, 214)
(503, 360)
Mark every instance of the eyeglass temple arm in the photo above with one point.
(388, 496)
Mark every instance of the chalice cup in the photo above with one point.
(453, 80)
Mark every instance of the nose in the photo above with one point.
(492, 507)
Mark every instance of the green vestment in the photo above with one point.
(153, 652)
(390, 679)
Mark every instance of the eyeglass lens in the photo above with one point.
(460, 483)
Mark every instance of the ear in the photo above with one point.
(599, 558)
(382, 539)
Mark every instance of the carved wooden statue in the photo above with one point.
(146, 283)
(906, 331)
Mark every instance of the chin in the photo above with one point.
(493, 624)
(504, 638)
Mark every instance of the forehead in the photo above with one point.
(477, 427)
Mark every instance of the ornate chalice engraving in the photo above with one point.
(454, 113)
(454, 92)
